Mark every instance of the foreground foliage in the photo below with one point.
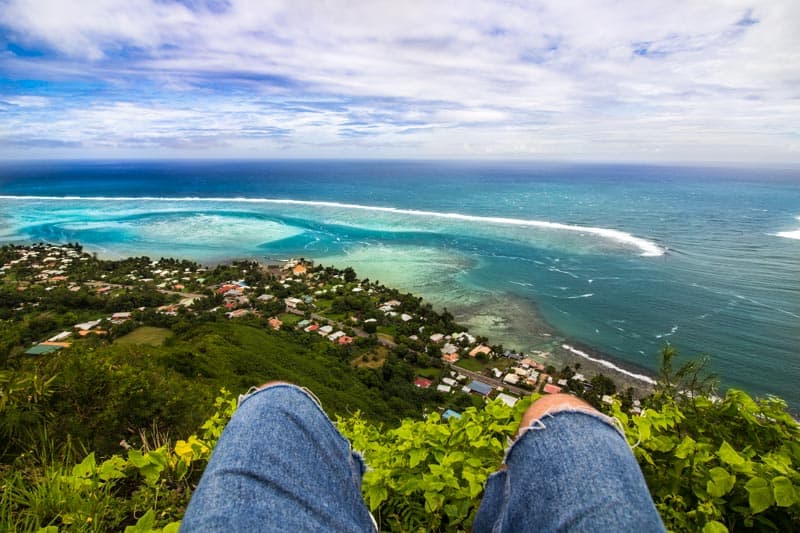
(730, 464)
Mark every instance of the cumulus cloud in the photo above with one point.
(685, 81)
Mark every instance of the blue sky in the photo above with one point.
(656, 81)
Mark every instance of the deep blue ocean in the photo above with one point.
(621, 258)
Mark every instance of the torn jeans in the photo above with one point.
(281, 465)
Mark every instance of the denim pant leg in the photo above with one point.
(570, 471)
(280, 465)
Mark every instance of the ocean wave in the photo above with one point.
(671, 332)
(794, 234)
(647, 248)
(608, 364)
(587, 295)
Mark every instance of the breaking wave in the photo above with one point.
(647, 248)
(608, 364)
(794, 234)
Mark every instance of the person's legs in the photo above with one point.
(280, 465)
(570, 469)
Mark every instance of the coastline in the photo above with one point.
(539, 336)
(523, 329)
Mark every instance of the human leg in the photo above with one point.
(570, 469)
(280, 465)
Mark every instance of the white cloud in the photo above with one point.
(418, 78)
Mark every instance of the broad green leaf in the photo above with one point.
(376, 496)
(714, 527)
(86, 467)
(721, 482)
(415, 456)
(145, 523)
(433, 501)
(685, 448)
(760, 495)
(112, 468)
(785, 493)
(172, 527)
(729, 455)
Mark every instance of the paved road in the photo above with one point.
(491, 381)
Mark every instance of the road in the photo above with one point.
(491, 381)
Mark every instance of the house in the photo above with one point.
(450, 358)
(607, 399)
(423, 383)
(311, 328)
(484, 389)
(444, 388)
(549, 388)
(391, 303)
(238, 313)
(449, 381)
(87, 325)
(121, 317)
(335, 335)
(325, 330)
(507, 399)
(447, 415)
(511, 379)
(40, 349)
(87, 332)
(449, 348)
(265, 298)
(303, 323)
(299, 270)
(292, 303)
(436, 337)
(480, 349)
(60, 337)
(405, 318)
(275, 323)
(345, 339)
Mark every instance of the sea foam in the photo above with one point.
(608, 364)
(647, 248)
(794, 234)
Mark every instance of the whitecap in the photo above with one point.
(647, 248)
(554, 269)
(793, 234)
(671, 332)
(587, 295)
(609, 364)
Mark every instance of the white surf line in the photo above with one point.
(609, 364)
(648, 248)
(791, 234)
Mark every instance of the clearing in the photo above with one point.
(146, 335)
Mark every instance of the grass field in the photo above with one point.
(372, 359)
(290, 319)
(385, 337)
(471, 364)
(145, 335)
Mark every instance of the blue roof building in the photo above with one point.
(481, 388)
(447, 415)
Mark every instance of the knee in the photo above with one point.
(552, 403)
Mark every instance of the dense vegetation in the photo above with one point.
(114, 432)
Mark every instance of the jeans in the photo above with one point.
(281, 465)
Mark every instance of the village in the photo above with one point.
(365, 318)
